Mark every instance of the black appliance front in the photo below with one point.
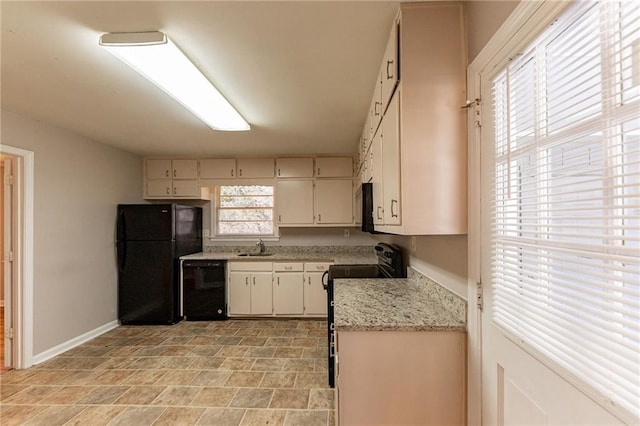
(204, 290)
(150, 242)
(390, 265)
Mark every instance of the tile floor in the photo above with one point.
(237, 372)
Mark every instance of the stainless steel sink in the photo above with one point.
(255, 254)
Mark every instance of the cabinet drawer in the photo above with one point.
(316, 266)
(288, 267)
(250, 266)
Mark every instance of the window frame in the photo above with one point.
(215, 207)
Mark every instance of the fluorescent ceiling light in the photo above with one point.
(154, 56)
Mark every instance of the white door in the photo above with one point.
(7, 261)
(518, 387)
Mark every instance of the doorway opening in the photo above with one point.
(8, 249)
(16, 256)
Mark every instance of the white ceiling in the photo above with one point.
(301, 73)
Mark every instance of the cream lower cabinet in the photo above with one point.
(400, 378)
(315, 296)
(288, 288)
(250, 288)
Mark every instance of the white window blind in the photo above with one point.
(566, 200)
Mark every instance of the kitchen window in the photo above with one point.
(244, 211)
(566, 198)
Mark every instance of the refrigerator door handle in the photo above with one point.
(122, 227)
(122, 255)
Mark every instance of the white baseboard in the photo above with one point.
(76, 341)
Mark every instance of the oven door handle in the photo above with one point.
(325, 283)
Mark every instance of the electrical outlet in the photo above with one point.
(346, 233)
(413, 244)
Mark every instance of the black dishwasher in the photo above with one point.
(204, 290)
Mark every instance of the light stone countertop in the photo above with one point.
(337, 255)
(412, 304)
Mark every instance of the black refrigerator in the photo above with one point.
(150, 240)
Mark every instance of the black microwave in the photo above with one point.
(365, 207)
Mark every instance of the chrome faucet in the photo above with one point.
(260, 245)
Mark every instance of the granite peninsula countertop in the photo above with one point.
(412, 304)
(338, 255)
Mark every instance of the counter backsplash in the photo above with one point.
(454, 303)
(292, 249)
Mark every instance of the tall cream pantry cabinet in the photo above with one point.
(418, 149)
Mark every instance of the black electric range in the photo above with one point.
(390, 265)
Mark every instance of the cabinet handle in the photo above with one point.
(168, 191)
(278, 172)
(246, 280)
(174, 174)
(254, 280)
(378, 212)
(240, 172)
(318, 171)
(166, 173)
(375, 108)
(279, 218)
(278, 280)
(231, 172)
(309, 280)
(389, 76)
(174, 191)
(319, 218)
(392, 213)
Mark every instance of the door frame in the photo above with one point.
(527, 18)
(24, 255)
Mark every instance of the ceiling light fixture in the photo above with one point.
(154, 56)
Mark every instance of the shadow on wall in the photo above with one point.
(443, 256)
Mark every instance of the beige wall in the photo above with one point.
(483, 20)
(78, 183)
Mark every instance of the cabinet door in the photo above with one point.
(294, 201)
(158, 168)
(185, 169)
(186, 188)
(334, 167)
(334, 201)
(389, 72)
(391, 163)
(217, 168)
(159, 188)
(294, 167)
(377, 178)
(288, 293)
(262, 293)
(315, 297)
(239, 293)
(255, 168)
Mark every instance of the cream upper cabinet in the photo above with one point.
(377, 179)
(334, 201)
(427, 188)
(256, 168)
(327, 167)
(294, 201)
(294, 167)
(172, 178)
(391, 163)
(158, 169)
(217, 168)
(175, 169)
(389, 71)
(185, 169)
